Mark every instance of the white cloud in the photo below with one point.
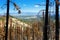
(36, 6)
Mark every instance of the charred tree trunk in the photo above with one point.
(7, 18)
(57, 22)
(45, 37)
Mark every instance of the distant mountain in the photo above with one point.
(30, 15)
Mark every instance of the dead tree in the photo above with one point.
(45, 37)
(57, 20)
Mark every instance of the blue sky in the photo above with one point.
(29, 5)
(25, 5)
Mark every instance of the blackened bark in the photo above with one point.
(45, 37)
(57, 22)
(7, 18)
